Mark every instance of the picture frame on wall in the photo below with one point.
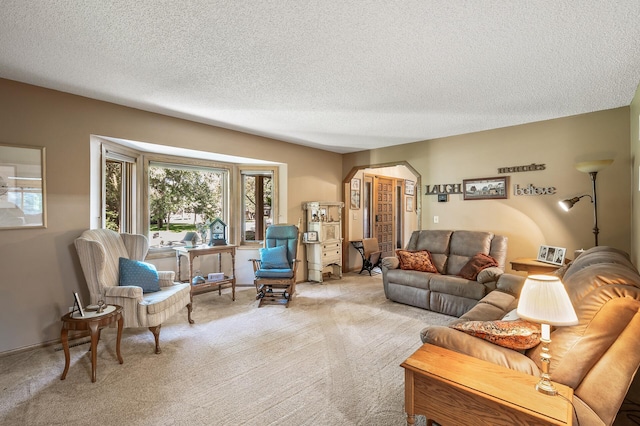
(409, 187)
(494, 188)
(409, 204)
(355, 194)
(311, 236)
(22, 187)
(551, 254)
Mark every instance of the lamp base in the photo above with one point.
(546, 387)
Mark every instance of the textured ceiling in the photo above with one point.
(341, 75)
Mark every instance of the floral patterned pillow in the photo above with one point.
(416, 260)
(518, 335)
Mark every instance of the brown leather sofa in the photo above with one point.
(598, 357)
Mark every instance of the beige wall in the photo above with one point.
(40, 269)
(634, 136)
(528, 221)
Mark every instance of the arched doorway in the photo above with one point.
(382, 201)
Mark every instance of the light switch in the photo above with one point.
(436, 219)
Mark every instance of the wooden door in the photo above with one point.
(384, 217)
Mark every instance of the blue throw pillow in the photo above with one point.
(141, 274)
(274, 258)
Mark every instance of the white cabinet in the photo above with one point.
(323, 238)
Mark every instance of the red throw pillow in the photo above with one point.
(476, 264)
(518, 335)
(416, 260)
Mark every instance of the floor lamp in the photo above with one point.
(591, 167)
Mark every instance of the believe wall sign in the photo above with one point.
(532, 190)
(528, 190)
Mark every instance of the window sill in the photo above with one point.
(161, 253)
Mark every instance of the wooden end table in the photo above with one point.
(455, 389)
(191, 253)
(533, 266)
(94, 322)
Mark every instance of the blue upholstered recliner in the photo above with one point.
(275, 271)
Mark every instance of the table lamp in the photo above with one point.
(544, 300)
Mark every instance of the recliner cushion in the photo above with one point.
(274, 258)
(140, 274)
(464, 245)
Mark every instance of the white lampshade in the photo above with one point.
(544, 299)
(592, 166)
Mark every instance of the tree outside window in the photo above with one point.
(257, 204)
(183, 199)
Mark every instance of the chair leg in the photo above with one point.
(156, 334)
(189, 309)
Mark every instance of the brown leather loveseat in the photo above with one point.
(598, 357)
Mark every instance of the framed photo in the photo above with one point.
(485, 188)
(22, 187)
(409, 187)
(355, 184)
(409, 202)
(355, 194)
(550, 254)
(312, 236)
(77, 304)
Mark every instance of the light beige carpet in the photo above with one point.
(332, 358)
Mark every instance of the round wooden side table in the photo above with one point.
(94, 322)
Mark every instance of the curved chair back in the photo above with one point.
(283, 235)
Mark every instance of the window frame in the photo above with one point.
(253, 170)
(186, 162)
(139, 186)
(129, 203)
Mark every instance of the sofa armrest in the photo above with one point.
(126, 291)
(461, 342)
(390, 262)
(166, 278)
(510, 283)
(490, 274)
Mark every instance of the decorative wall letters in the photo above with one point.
(532, 190)
(447, 188)
(533, 167)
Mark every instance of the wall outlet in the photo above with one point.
(436, 219)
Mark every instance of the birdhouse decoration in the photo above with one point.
(218, 230)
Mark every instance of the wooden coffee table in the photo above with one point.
(94, 322)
